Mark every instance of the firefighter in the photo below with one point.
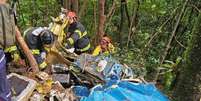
(7, 45)
(105, 47)
(39, 40)
(77, 40)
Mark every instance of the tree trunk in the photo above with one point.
(75, 5)
(102, 19)
(188, 86)
(83, 8)
(127, 13)
(133, 21)
(67, 4)
(121, 23)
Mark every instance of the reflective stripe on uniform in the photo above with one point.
(26, 31)
(43, 65)
(11, 49)
(3, 57)
(97, 51)
(8, 95)
(86, 48)
(71, 41)
(35, 51)
(85, 33)
(80, 33)
(47, 49)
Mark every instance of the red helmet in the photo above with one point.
(71, 14)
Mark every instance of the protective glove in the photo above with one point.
(43, 55)
(15, 57)
(71, 50)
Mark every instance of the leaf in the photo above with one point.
(153, 6)
(178, 60)
(162, 12)
(167, 61)
(167, 65)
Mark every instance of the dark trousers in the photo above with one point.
(5, 94)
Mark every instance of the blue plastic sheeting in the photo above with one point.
(114, 89)
(81, 91)
(125, 91)
(113, 67)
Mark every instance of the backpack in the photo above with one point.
(7, 27)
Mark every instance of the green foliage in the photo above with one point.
(36, 12)
(167, 69)
(151, 15)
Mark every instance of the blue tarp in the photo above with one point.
(125, 91)
(115, 89)
(112, 67)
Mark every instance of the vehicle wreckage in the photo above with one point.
(70, 77)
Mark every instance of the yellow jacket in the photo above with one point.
(98, 50)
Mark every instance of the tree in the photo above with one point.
(83, 8)
(75, 5)
(102, 19)
(67, 4)
(71, 5)
(188, 86)
(133, 23)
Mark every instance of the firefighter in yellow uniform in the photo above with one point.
(77, 40)
(105, 47)
(37, 40)
(8, 49)
(7, 33)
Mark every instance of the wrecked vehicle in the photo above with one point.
(89, 78)
(70, 77)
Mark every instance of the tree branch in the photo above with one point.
(112, 9)
(133, 22)
(173, 32)
(171, 38)
(83, 8)
(179, 42)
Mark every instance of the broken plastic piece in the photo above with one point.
(62, 78)
(21, 86)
